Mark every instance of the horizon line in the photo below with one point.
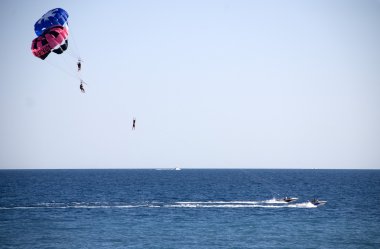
(188, 168)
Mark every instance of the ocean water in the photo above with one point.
(190, 208)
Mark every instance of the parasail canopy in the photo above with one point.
(52, 33)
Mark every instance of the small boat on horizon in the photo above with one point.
(169, 168)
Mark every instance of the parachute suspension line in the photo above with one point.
(62, 70)
(75, 49)
(76, 53)
(69, 64)
(73, 55)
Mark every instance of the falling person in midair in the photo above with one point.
(134, 124)
(81, 86)
(79, 63)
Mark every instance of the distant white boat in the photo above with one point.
(177, 168)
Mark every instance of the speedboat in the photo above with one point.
(289, 199)
(317, 202)
(286, 199)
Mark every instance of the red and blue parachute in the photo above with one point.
(52, 31)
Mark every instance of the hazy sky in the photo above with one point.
(212, 83)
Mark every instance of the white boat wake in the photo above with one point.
(272, 203)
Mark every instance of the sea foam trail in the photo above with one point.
(79, 205)
(181, 204)
(275, 201)
(236, 205)
(271, 201)
(218, 202)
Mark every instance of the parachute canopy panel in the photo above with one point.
(53, 39)
(54, 17)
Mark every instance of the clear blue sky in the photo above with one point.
(212, 83)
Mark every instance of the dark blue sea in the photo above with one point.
(189, 208)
